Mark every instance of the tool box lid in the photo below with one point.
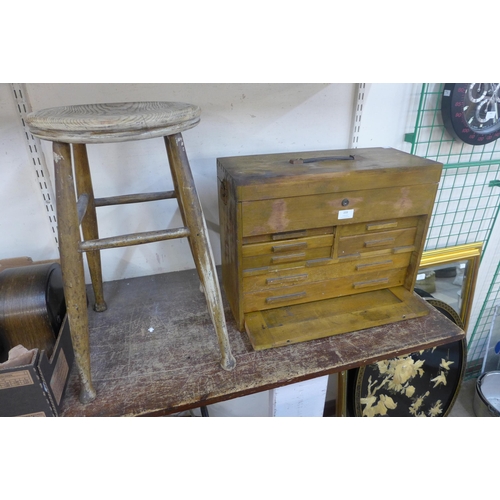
(258, 177)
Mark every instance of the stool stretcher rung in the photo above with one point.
(133, 239)
(134, 198)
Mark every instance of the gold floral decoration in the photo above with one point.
(398, 374)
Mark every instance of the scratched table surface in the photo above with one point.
(155, 351)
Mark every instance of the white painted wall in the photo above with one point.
(389, 111)
(303, 399)
(236, 119)
(24, 227)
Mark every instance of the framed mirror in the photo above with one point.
(449, 274)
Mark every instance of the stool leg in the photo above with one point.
(89, 222)
(192, 215)
(72, 266)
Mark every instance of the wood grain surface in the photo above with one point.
(31, 306)
(112, 122)
(154, 351)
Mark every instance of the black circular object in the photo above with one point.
(422, 384)
(345, 202)
(471, 111)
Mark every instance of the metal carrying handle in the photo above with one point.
(300, 161)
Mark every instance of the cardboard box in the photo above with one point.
(15, 262)
(36, 389)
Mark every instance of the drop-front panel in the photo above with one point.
(325, 242)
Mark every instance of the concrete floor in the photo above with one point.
(463, 405)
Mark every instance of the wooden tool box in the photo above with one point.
(314, 246)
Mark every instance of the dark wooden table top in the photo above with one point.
(155, 352)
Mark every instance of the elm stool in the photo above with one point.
(70, 128)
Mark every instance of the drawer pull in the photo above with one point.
(318, 262)
(379, 243)
(285, 298)
(409, 248)
(290, 246)
(355, 255)
(366, 284)
(288, 258)
(381, 225)
(255, 271)
(286, 279)
(384, 263)
(289, 235)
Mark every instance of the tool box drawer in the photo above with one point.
(310, 292)
(387, 240)
(283, 277)
(283, 251)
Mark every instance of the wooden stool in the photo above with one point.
(72, 127)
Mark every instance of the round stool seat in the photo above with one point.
(112, 122)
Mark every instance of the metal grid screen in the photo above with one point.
(467, 202)
(466, 206)
(478, 342)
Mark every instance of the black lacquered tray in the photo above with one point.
(422, 384)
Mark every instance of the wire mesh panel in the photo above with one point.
(467, 202)
(466, 206)
(478, 342)
(468, 197)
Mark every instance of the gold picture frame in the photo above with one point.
(449, 274)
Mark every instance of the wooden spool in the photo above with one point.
(32, 307)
